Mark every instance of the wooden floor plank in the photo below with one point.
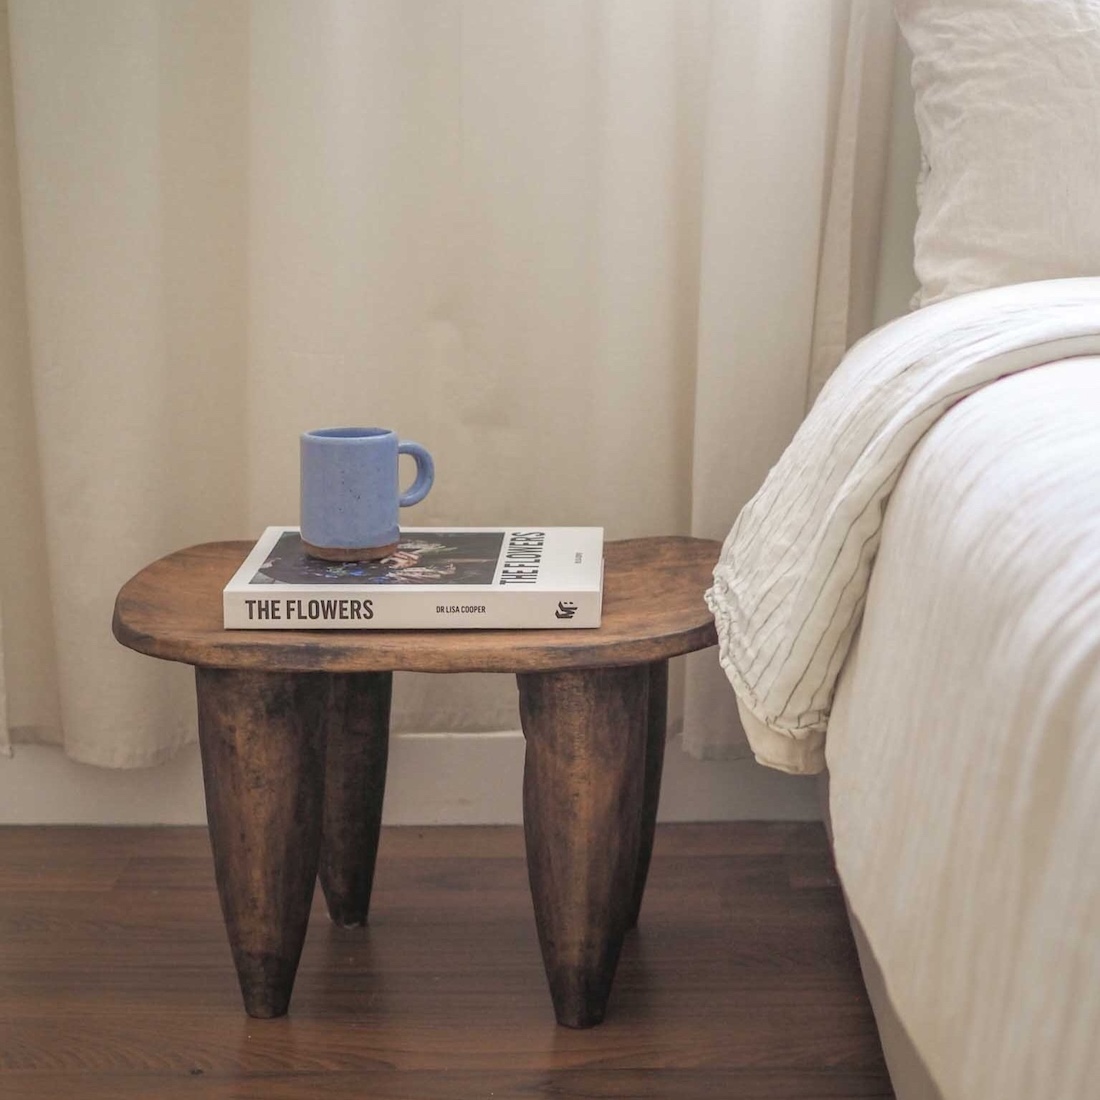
(433, 1085)
(741, 980)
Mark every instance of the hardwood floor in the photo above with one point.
(741, 980)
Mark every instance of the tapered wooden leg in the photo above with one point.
(656, 724)
(355, 783)
(262, 736)
(582, 807)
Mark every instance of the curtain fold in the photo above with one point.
(593, 255)
(794, 176)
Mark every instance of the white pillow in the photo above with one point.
(1008, 108)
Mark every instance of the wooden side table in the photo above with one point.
(294, 728)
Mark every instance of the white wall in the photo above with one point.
(432, 779)
(896, 281)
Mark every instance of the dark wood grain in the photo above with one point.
(656, 728)
(583, 786)
(588, 1084)
(355, 785)
(263, 756)
(653, 609)
(593, 771)
(742, 981)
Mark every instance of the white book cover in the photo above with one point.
(457, 578)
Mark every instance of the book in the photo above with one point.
(456, 578)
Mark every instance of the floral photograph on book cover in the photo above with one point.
(428, 557)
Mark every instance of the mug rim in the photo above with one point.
(346, 435)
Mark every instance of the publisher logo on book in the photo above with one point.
(566, 610)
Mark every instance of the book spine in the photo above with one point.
(293, 609)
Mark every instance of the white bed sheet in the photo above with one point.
(964, 743)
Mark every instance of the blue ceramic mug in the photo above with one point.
(350, 493)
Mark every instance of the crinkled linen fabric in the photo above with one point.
(964, 745)
(790, 585)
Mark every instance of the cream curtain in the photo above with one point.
(597, 256)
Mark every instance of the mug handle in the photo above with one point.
(425, 474)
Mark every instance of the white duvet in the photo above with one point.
(963, 740)
(790, 586)
(964, 744)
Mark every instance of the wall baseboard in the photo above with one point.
(433, 779)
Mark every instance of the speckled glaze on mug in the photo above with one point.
(350, 495)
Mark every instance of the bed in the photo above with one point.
(911, 602)
(965, 728)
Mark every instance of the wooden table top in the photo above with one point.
(652, 609)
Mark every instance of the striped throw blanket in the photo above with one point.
(790, 585)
